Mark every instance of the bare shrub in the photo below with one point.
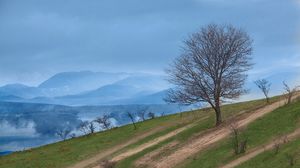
(108, 164)
(239, 146)
(87, 127)
(151, 115)
(291, 158)
(235, 136)
(289, 92)
(91, 127)
(84, 127)
(276, 147)
(73, 135)
(63, 133)
(142, 113)
(243, 146)
(104, 122)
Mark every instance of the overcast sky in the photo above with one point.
(40, 38)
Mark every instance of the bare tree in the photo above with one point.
(104, 122)
(73, 135)
(180, 110)
(131, 115)
(212, 67)
(87, 127)
(151, 115)
(264, 86)
(289, 92)
(63, 133)
(142, 113)
(91, 127)
(84, 127)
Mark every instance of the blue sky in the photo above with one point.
(40, 38)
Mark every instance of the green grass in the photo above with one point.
(70, 151)
(281, 121)
(202, 125)
(269, 159)
(66, 153)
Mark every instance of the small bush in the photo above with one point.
(291, 159)
(108, 164)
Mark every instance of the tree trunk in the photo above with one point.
(134, 125)
(217, 108)
(267, 98)
(218, 113)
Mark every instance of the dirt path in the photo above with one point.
(150, 143)
(97, 158)
(146, 145)
(146, 160)
(261, 149)
(94, 162)
(211, 137)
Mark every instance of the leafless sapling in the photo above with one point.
(108, 164)
(264, 86)
(289, 92)
(142, 113)
(91, 127)
(63, 133)
(131, 115)
(87, 127)
(291, 158)
(104, 122)
(73, 135)
(84, 127)
(212, 67)
(151, 115)
(276, 146)
(235, 136)
(239, 145)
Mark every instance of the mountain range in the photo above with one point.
(104, 88)
(90, 88)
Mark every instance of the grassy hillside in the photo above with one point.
(269, 159)
(280, 122)
(66, 153)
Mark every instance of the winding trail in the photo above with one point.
(97, 158)
(146, 145)
(186, 150)
(261, 149)
(153, 142)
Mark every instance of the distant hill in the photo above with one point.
(131, 88)
(20, 90)
(88, 88)
(76, 82)
(155, 98)
(102, 88)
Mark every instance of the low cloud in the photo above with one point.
(25, 129)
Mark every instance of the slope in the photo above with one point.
(66, 153)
